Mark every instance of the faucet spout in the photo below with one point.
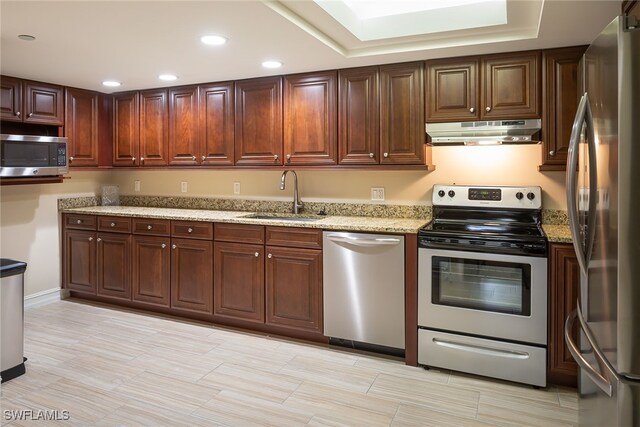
(297, 203)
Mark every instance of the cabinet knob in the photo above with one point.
(30, 114)
(193, 158)
(288, 157)
(113, 224)
(149, 227)
(133, 159)
(275, 157)
(99, 240)
(18, 113)
(79, 221)
(91, 239)
(71, 159)
(552, 153)
(190, 230)
(269, 256)
(204, 158)
(385, 155)
(488, 109)
(257, 254)
(163, 246)
(173, 246)
(472, 110)
(141, 159)
(371, 155)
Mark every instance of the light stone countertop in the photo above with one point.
(557, 233)
(338, 223)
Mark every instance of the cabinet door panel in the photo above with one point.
(294, 288)
(511, 86)
(151, 270)
(11, 99)
(452, 87)
(216, 124)
(80, 255)
(239, 281)
(126, 129)
(258, 121)
(43, 103)
(310, 119)
(402, 135)
(154, 129)
(81, 127)
(114, 265)
(192, 275)
(358, 116)
(183, 126)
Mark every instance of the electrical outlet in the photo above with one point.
(236, 188)
(377, 194)
(183, 186)
(136, 185)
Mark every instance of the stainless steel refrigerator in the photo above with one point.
(603, 196)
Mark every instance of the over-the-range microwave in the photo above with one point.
(27, 155)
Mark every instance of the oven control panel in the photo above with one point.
(526, 197)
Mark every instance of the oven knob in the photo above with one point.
(452, 193)
(441, 193)
(519, 195)
(531, 196)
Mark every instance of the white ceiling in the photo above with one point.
(82, 43)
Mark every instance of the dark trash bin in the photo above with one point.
(11, 318)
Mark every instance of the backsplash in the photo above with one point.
(555, 217)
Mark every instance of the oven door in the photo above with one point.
(489, 295)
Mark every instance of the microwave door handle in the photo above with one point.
(572, 182)
(593, 183)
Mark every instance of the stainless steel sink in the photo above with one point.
(285, 217)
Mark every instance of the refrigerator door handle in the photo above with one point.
(600, 380)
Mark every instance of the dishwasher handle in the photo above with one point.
(359, 241)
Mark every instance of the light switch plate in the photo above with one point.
(136, 185)
(183, 186)
(377, 194)
(236, 188)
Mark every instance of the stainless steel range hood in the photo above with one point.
(485, 132)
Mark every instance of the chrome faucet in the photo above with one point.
(297, 203)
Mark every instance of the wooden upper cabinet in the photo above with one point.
(402, 134)
(310, 119)
(216, 124)
(258, 121)
(452, 90)
(126, 129)
(81, 126)
(358, 116)
(559, 104)
(511, 86)
(154, 128)
(31, 102)
(184, 145)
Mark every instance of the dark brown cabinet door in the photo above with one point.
(183, 126)
(43, 103)
(11, 99)
(402, 134)
(81, 126)
(192, 275)
(358, 116)
(452, 90)
(310, 119)
(154, 129)
(511, 86)
(114, 265)
(80, 256)
(151, 270)
(559, 104)
(238, 281)
(126, 129)
(216, 124)
(258, 121)
(564, 285)
(294, 288)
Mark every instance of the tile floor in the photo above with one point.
(113, 367)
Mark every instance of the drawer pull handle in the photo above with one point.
(113, 224)
(481, 349)
(163, 246)
(149, 227)
(190, 230)
(79, 221)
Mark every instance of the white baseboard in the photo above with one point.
(45, 297)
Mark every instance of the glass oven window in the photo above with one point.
(502, 287)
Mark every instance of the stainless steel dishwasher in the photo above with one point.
(363, 289)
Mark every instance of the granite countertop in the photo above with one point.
(557, 233)
(329, 222)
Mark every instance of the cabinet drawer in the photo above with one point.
(239, 233)
(192, 229)
(115, 224)
(151, 227)
(294, 237)
(82, 222)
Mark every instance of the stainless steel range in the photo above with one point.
(482, 283)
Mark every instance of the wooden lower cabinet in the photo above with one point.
(294, 288)
(114, 265)
(80, 266)
(192, 275)
(151, 270)
(238, 281)
(564, 286)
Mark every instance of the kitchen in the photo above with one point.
(30, 219)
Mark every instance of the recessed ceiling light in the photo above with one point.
(111, 83)
(272, 64)
(168, 77)
(27, 37)
(213, 40)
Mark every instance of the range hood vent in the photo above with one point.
(485, 132)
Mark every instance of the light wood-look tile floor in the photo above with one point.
(114, 367)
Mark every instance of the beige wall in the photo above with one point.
(29, 226)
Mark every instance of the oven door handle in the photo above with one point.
(480, 349)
